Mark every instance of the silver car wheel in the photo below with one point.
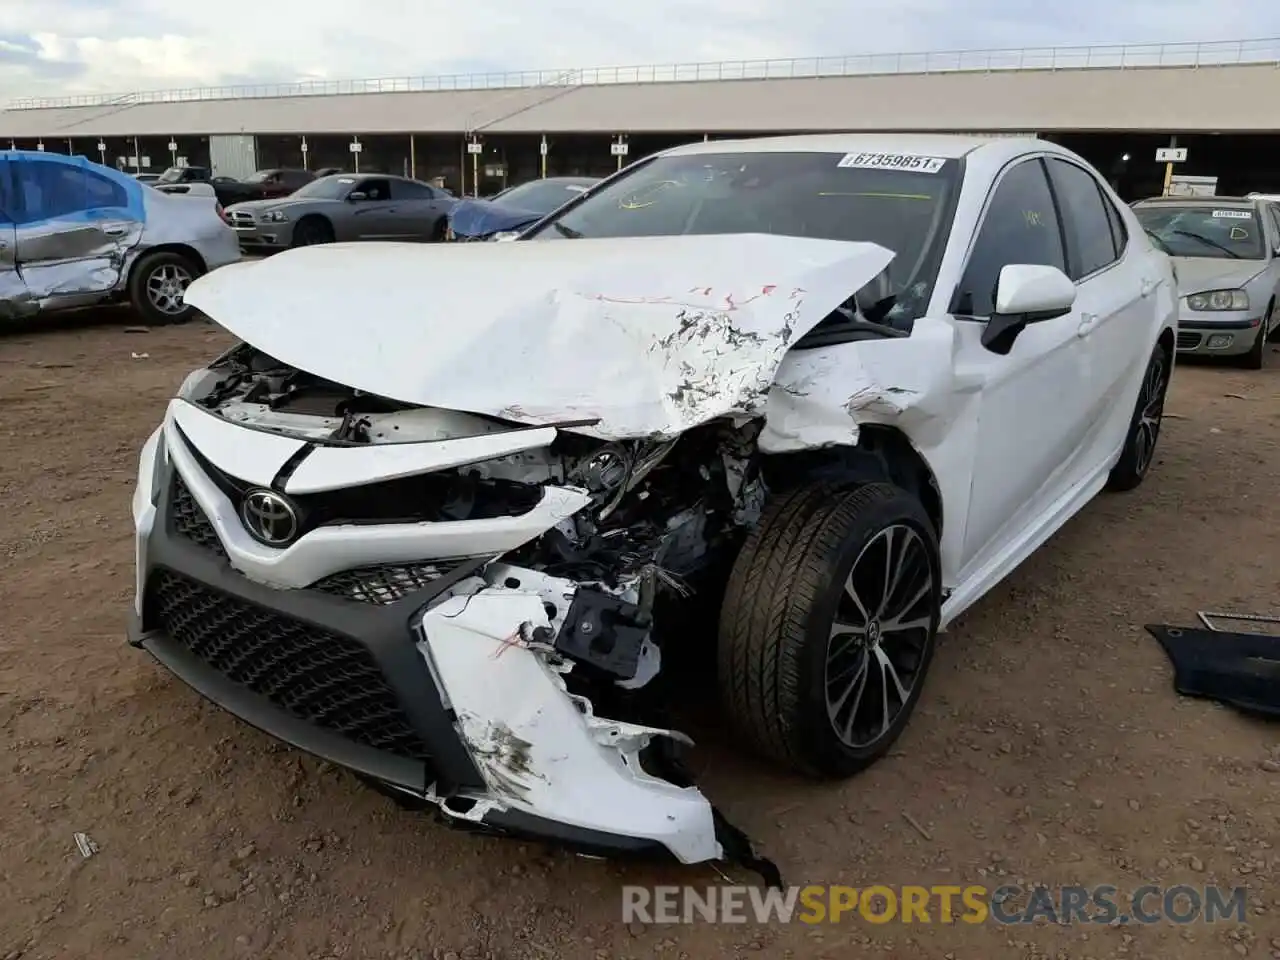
(879, 636)
(166, 287)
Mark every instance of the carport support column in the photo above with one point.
(304, 149)
(542, 149)
(413, 159)
(1168, 169)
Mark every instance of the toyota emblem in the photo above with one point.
(269, 518)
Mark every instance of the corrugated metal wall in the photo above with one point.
(233, 156)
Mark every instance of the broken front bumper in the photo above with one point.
(437, 687)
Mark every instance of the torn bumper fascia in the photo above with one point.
(541, 750)
(545, 758)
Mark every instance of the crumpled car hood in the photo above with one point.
(647, 336)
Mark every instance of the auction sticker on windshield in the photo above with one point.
(1233, 214)
(892, 161)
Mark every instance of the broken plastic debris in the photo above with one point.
(141, 356)
(86, 845)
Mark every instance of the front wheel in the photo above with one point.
(158, 286)
(1144, 427)
(312, 230)
(828, 626)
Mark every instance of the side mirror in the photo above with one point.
(1026, 293)
(355, 196)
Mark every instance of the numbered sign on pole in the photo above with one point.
(173, 146)
(542, 147)
(619, 148)
(474, 147)
(356, 147)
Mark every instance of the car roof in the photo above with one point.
(1214, 201)
(948, 146)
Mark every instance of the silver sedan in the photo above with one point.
(1226, 251)
(344, 207)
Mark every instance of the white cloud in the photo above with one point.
(52, 47)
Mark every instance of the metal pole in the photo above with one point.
(413, 159)
(304, 152)
(137, 156)
(543, 149)
(1168, 169)
(356, 154)
(462, 169)
(475, 171)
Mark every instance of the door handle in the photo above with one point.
(1087, 322)
(116, 231)
(1148, 287)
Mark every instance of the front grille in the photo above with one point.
(385, 583)
(318, 676)
(241, 218)
(1188, 340)
(189, 520)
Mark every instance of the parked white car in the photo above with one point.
(1226, 253)
(447, 515)
(74, 233)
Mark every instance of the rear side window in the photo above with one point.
(408, 190)
(1091, 243)
(47, 190)
(1020, 226)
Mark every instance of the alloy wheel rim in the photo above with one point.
(1151, 403)
(879, 636)
(167, 287)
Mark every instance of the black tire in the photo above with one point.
(439, 230)
(1144, 426)
(779, 617)
(1274, 335)
(311, 230)
(1257, 355)
(154, 284)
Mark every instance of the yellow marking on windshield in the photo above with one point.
(887, 196)
(633, 203)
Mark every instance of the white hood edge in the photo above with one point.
(650, 336)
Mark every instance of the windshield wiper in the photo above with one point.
(1207, 242)
(564, 231)
(1159, 241)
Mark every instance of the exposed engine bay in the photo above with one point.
(660, 512)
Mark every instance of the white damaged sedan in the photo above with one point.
(447, 516)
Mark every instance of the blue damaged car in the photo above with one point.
(74, 233)
(507, 213)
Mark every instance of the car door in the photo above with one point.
(373, 214)
(419, 210)
(74, 226)
(1273, 265)
(14, 301)
(1032, 403)
(1118, 293)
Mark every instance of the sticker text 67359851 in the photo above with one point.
(892, 161)
(1233, 214)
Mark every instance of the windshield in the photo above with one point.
(1203, 230)
(259, 176)
(172, 175)
(831, 196)
(326, 188)
(542, 196)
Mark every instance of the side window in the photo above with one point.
(1275, 220)
(1020, 226)
(408, 190)
(1119, 233)
(48, 189)
(1090, 242)
(6, 192)
(374, 189)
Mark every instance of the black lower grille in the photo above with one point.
(385, 583)
(1188, 340)
(189, 520)
(318, 676)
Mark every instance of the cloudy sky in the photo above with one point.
(54, 47)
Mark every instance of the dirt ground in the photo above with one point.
(1049, 746)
